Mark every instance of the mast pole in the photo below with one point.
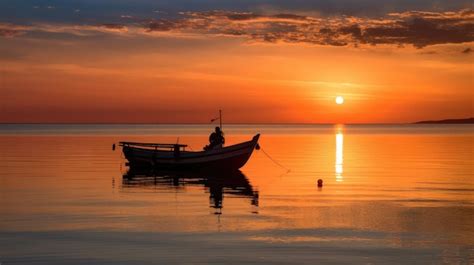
(220, 119)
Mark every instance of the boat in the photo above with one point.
(176, 157)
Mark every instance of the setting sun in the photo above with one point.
(339, 100)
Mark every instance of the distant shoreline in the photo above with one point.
(448, 121)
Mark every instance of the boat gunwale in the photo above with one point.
(212, 152)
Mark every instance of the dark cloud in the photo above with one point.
(417, 28)
(353, 30)
(11, 30)
(422, 29)
(241, 16)
(8, 33)
(161, 25)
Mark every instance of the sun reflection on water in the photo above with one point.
(339, 153)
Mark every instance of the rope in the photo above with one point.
(274, 161)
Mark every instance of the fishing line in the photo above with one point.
(274, 161)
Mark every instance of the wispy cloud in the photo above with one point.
(415, 28)
(11, 30)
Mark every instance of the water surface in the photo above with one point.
(392, 194)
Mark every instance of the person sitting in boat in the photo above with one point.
(216, 140)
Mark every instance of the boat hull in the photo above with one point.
(227, 158)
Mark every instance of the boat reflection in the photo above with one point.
(234, 183)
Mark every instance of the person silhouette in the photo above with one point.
(216, 139)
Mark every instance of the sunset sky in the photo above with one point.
(144, 61)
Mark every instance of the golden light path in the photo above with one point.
(339, 154)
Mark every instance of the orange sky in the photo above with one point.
(123, 76)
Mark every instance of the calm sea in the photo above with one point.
(392, 194)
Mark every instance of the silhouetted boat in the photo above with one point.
(175, 156)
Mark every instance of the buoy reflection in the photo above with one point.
(339, 155)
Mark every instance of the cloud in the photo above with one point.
(112, 27)
(126, 16)
(423, 28)
(8, 33)
(467, 51)
(417, 28)
(11, 30)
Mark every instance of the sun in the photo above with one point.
(339, 100)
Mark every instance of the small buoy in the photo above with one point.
(320, 183)
(257, 147)
(113, 147)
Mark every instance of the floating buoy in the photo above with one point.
(113, 147)
(320, 183)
